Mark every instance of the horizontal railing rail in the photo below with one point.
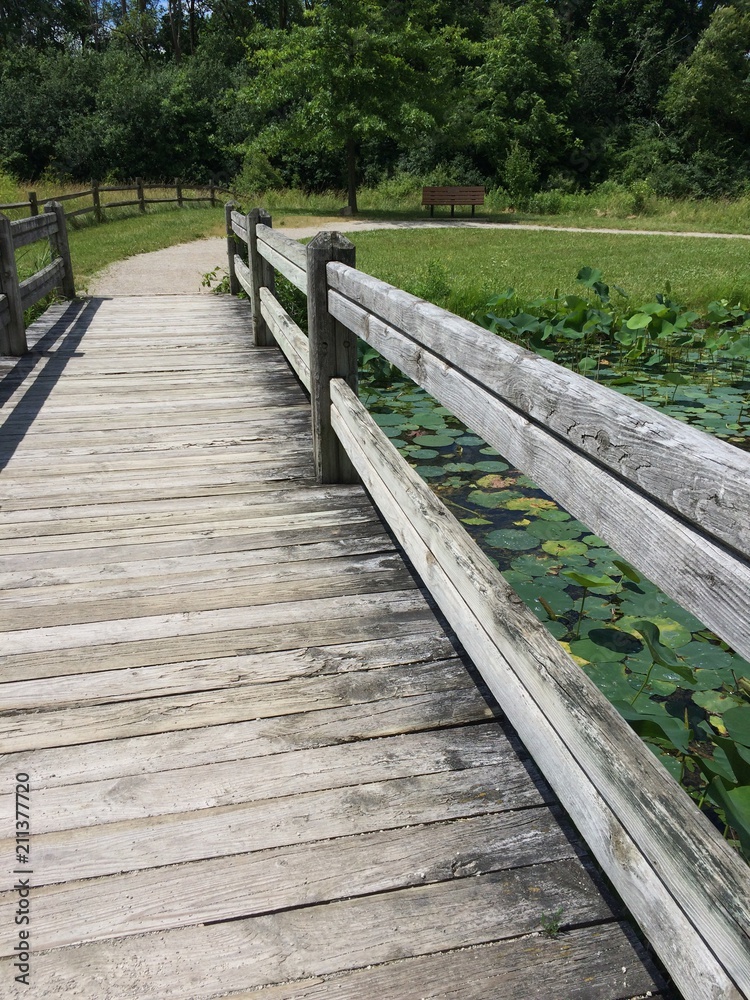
(671, 499)
(98, 206)
(17, 296)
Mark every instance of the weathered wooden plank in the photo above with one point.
(204, 787)
(93, 723)
(41, 283)
(295, 581)
(12, 332)
(243, 884)
(293, 272)
(696, 475)
(238, 226)
(238, 741)
(288, 335)
(306, 817)
(687, 888)
(332, 354)
(156, 681)
(210, 633)
(262, 275)
(243, 274)
(284, 245)
(701, 574)
(59, 244)
(37, 227)
(310, 942)
(595, 963)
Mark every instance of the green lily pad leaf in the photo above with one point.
(715, 702)
(671, 633)
(615, 640)
(532, 565)
(592, 651)
(558, 629)
(458, 467)
(469, 441)
(532, 504)
(653, 722)
(564, 547)
(488, 451)
(430, 421)
(492, 501)
(475, 520)
(610, 678)
(737, 721)
(736, 805)
(512, 539)
(554, 515)
(706, 654)
(430, 471)
(554, 529)
(739, 763)
(389, 419)
(425, 453)
(492, 466)
(492, 481)
(588, 580)
(391, 432)
(435, 440)
(627, 570)
(661, 654)
(594, 541)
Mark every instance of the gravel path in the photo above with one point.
(179, 270)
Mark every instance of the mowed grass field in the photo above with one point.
(476, 263)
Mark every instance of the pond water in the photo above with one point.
(680, 687)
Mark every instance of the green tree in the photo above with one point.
(350, 76)
(521, 90)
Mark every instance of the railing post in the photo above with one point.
(97, 201)
(262, 275)
(141, 195)
(234, 285)
(12, 335)
(33, 203)
(59, 243)
(178, 191)
(333, 354)
(212, 191)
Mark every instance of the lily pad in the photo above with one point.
(469, 441)
(554, 529)
(532, 504)
(424, 453)
(492, 466)
(435, 440)
(532, 565)
(492, 501)
(716, 702)
(737, 721)
(430, 471)
(510, 538)
(594, 652)
(564, 547)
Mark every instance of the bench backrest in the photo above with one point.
(453, 196)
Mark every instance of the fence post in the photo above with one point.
(212, 191)
(262, 275)
(59, 243)
(178, 191)
(97, 201)
(333, 354)
(234, 285)
(12, 334)
(33, 203)
(141, 195)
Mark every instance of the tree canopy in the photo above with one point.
(331, 93)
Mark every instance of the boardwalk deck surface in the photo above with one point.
(259, 766)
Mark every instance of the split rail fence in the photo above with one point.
(98, 206)
(672, 500)
(17, 296)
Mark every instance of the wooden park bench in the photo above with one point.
(452, 196)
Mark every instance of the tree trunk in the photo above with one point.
(351, 174)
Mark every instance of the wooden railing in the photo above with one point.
(16, 295)
(671, 499)
(98, 206)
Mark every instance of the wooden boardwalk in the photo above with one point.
(258, 764)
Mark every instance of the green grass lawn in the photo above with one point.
(475, 264)
(93, 247)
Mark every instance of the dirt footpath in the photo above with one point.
(179, 270)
